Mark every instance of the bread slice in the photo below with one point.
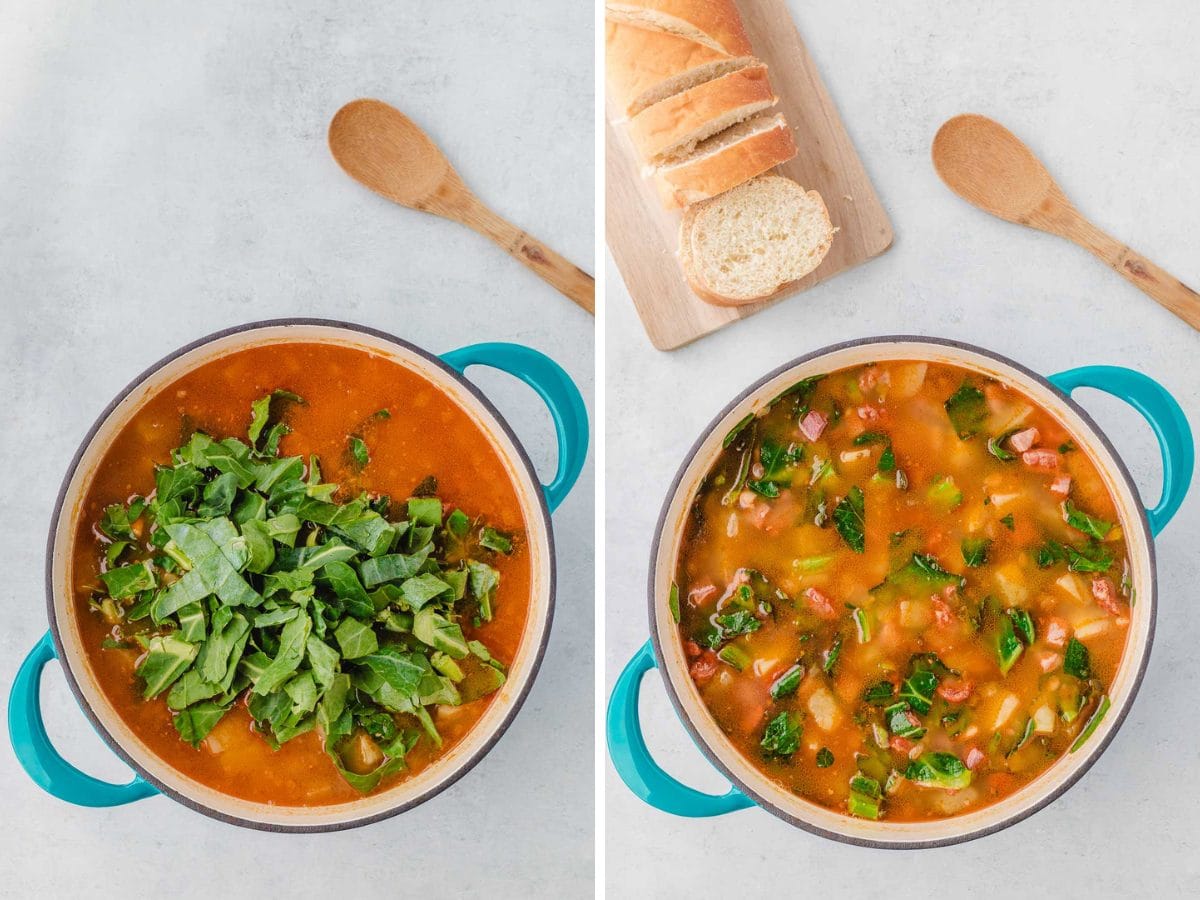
(747, 243)
(713, 23)
(673, 127)
(644, 67)
(725, 160)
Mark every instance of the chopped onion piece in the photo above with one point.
(1008, 706)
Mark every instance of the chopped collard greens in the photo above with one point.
(902, 590)
(967, 409)
(849, 516)
(244, 576)
(782, 736)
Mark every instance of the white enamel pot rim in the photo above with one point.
(443, 772)
(812, 817)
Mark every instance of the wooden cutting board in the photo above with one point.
(643, 236)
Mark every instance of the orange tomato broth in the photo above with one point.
(427, 434)
(812, 577)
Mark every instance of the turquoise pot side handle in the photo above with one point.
(632, 760)
(1165, 417)
(37, 755)
(556, 389)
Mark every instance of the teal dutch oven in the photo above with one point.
(55, 775)
(749, 786)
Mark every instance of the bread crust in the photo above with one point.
(636, 60)
(685, 262)
(688, 117)
(706, 176)
(718, 21)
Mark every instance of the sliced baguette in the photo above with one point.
(673, 127)
(725, 160)
(713, 23)
(747, 243)
(644, 67)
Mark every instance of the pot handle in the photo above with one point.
(632, 760)
(556, 389)
(1165, 417)
(37, 755)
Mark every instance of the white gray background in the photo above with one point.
(1108, 94)
(163, 174)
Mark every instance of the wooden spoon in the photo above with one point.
(381, 148)
(988, 166)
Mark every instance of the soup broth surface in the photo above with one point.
(902, 591)
(425, 434)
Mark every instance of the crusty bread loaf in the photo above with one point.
(644, 67)
(673, 127)
(747, 243)
(725, 160)
(713, 23)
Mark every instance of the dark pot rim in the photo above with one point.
(1084, 764)
(132, 761)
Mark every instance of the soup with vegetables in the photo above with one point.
(902, 591)
(301, 573)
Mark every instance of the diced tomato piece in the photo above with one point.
(692, 649)
(704, 668)
(758, 515)
(954, 690)
(1056, 632)
(942, 614)
(700, 593)
(780, 515)
(1106, 595)
(1049, 661)
(752, 719)
(819, 603)
(1040, 459)
(901, 745)
(975, 757)
(868, 413)
(812, 426)
(1024, 440)
(1061, 485)
(1001, 783)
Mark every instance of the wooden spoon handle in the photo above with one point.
(1160, 285)
(574, 283)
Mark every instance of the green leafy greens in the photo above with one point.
(1081, 521)
(850, 518)
(777, 461)
(782, 736)
(967, 409)
(939, 770)
(251, 577)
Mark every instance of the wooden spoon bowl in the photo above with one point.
(380, 147)
(988, 166)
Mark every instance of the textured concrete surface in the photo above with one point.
(163, 174)
(1108, 95)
